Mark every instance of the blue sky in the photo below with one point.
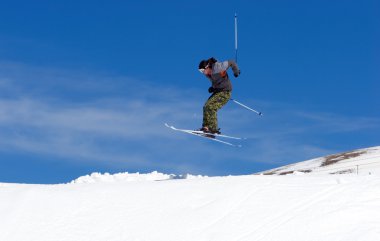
(85, 86)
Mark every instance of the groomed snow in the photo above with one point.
(156, 207)
(364, 161)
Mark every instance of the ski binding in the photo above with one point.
(210, 136)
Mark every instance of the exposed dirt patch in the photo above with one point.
(343, 171)
(290, 172)
(329, 160)
(274, 172)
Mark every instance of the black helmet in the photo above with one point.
(204, 63)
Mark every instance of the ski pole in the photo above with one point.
(248, 108)
(236, 39)
(236, 59)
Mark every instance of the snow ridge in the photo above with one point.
(362, 162)
(97, 177)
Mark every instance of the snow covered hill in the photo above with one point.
(362, 162)
(160, 207)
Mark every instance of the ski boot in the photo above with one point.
(209, 132)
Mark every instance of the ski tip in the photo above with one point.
(169, 126)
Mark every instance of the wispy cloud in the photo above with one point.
(336, 123)
(112, 119)
(118, 121)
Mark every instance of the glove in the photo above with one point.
(211, 90)
(237, 73)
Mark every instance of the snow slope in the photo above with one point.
(362, 161)
(156, 207)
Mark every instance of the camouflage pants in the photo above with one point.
(212, 105)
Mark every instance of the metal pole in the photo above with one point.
(236, 39)
(246, 107)
(236, 59)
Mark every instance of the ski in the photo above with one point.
(216, 135)
(201, 132)
(204, 135)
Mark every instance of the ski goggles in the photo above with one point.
(203, 70)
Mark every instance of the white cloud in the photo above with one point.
(96, 122)
(337, 123)
(119, 121)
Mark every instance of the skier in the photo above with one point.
(220, 88)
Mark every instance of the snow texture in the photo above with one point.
(159, 207)
(362, 162)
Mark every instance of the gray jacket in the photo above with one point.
(219, 77)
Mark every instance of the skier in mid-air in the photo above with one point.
(220, 88)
